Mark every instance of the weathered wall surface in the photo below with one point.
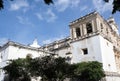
(99, 49)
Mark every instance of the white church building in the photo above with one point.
(92, 38)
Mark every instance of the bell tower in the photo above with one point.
(112, 23)
(83, 26)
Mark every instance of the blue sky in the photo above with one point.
(24, 20)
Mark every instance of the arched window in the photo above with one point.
(89, 28)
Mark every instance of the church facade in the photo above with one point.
(92, 38)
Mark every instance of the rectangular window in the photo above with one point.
(89, 28)
(85, 51)
(78, 32)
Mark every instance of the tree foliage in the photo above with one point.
(116, 5)
(52, 69)
(48, 67)
(89, 71)
(48, 1)
(1, 4)
(18, 70)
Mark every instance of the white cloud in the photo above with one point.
(101, 6)
(83, 8)
(3, 41)
(18, 4)
(24, 20)
(48, 15)
(37, 0)
(62, 5)
(52, 39)
(39, 16)
(74, 3)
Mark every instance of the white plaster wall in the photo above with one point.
(98, 50)
(16, 52)
(108, 57)
(1, 76)
(4, 54)
(62, 52)
(93, 46)
(112, 78)
(0, 57)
